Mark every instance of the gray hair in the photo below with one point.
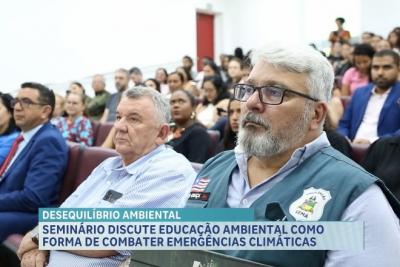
(161, 105)
(300, 59)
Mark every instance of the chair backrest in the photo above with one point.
(90, 158)
(214, 136)
(81, 162)
(102, 133)
(358, 152)
(68, 183)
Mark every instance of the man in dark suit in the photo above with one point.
(32, 176)
(374, 110)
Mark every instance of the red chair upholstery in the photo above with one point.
(214, 136)
(358, 152)
(90, 158)
(102, 133)
(68, 183)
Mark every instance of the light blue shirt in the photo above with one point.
(382, 226)
(6, 142)
(160, 179)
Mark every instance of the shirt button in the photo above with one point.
(244, 201)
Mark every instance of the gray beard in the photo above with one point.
(267, 143)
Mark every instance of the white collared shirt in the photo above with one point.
(369, 126)
(27, 137)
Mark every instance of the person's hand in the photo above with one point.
(34, 258)
(361, 141)
(26, 245)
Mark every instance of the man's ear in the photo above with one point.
(319, 115)
(162, 134)
(46, 112)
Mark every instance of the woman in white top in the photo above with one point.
(215, 101)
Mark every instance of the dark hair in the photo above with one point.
(179, 74)
(389, 53)
(239, 53)
(395, 31)
(229, 138)
(188, 58)
(371, 34)
(46, 96)
(156, 82)
(165, 72)
(187, 73)
(135, 70)
(238, 60)
(191, 97)
(222, 93)
(6, 100)
(340, 19)
(79, 85)
(364, 50)
(213, 66)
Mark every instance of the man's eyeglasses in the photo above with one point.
(25, 102)
(268, 94)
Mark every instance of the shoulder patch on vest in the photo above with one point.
(200, 184)
(310, 206)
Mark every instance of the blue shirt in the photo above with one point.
(382, 226)
(160, 179)
(6, 142)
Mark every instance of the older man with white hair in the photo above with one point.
(147, 174)
(284, 160)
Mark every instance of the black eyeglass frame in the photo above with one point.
(237, 87)
(25, 102)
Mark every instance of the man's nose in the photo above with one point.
(254, 102)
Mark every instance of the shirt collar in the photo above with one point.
(298, 156)
(373, 92)
(134, 167)
(29, 134)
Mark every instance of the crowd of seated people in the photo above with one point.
(366, 78)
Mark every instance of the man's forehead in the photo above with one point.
(384, 60)
(28, 92)
(135, 105)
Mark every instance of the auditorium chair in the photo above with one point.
(102, 132)
(214, 136)
(358, 152)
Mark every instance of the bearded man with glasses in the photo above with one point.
(30, 176)
(283, 160)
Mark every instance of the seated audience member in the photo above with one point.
(283, 159)
(147, 174)
(175, 82)
(188, 83)
(30, 176)
(162, 77)
(188, 136)
(210, 68)
(382, 160)
(335, 56)
(394, 39)
(121, 77)
(75, 127)
(228, 141)
(77, 88)
(374, 110)
(187, 64)
(8, 130)
(359, 75)
(152, 83)
(382, 45)
(95, 107)
(366, 38)
(59, 107)
(235, 68)
(136, 76)
(342, 66)
(215, 96)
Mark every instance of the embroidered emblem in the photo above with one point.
(310, 206)
(200, 184)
